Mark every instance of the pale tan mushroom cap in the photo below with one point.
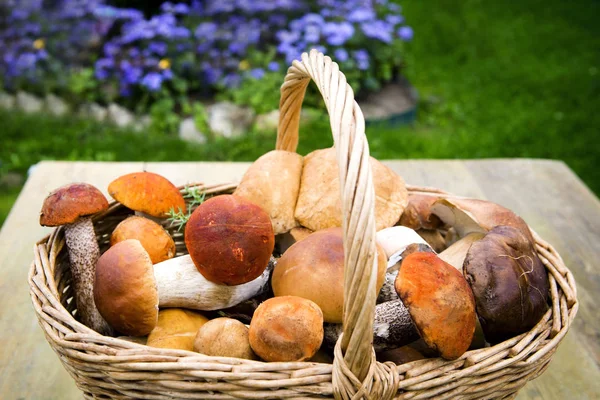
(176, 329)
(273, 182)
(319, 204)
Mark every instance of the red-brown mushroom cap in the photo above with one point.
(440, 303)
(125, 290)
(509, 282)
(147, 192)
(68, 203)
(230, 239)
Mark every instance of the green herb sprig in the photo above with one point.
(180, 218)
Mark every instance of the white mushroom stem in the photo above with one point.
(395, 239)
(455, 254)
(181, 285)
(83, 255)
(393, 327)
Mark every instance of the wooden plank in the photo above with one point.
(547, 194)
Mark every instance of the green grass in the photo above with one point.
(496, 79)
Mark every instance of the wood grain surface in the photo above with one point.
(547, 194)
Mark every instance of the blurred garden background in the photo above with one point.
(494, 78)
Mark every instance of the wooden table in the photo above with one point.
(548, 195)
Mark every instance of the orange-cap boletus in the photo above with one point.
(509, 282)
(230, 239)
(273, 182)
(148, 193)
(286, 328)
(71, 206)
(128, 289)
(153, 237)
(440, 303)
(313, 268)
(319, 204)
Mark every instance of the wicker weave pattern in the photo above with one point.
(105, 367)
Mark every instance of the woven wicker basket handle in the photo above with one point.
(356, 373)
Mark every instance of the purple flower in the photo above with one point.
(361, 14)
(212, 75)
(405, 33)
(231, 80)
(152, 81)
(273, 66)
(159, 48)
(340, 55)
(378, 29)
(312, 34)
(181, 8)
(287, 36)
(167, 74)
(337, 33)
(257, 73)
(362, 59)
(394, 19)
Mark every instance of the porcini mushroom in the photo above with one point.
(176, 328)
(319, 203)
(509, 282)
(273, 182)
(313, 268)
(147, 193)
(417, 214)
(153, 237)
(128, 289)
(286, 328)
(472, 215)
(230, 239)
(224, 337)
(71, 206)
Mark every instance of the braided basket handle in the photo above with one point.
(355, 372)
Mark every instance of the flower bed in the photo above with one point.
(233, 49)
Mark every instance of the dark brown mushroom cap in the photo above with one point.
(147, 192)
(509, 282)
(125, 290)
(440, 303)
(68, 203)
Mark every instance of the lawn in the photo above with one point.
(496, 79)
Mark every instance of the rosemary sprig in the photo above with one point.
(180, 218)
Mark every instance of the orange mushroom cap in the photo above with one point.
(440, 303)
(147, 192)
(68, 203)
(153, 237)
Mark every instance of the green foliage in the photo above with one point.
(179, 218)
(262, 95)
(83, 84)
(163, 117)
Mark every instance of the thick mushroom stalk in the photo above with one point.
(180, 284)
(83, 255)
(70, 206)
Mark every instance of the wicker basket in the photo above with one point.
(110, 368)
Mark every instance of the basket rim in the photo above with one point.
(530, 351)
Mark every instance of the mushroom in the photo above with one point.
(224, 337)
(230, 239)
(286, 328)
(455, 254)
(435, 304)
(398, 242)
(273, 182)
(176, 328)
(71, 206)
(148, 194)
(509, 282)
(319, 203)
(286, 240)
(471, 215)
(153, 237)
(128, 289)
(314, 269)
(417, 214)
